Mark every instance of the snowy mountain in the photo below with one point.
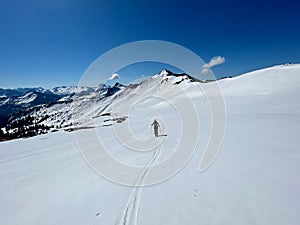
(14, 104)
(50, 109)
(254, 180)
(64, 90)
(66, 107)
(6, 93)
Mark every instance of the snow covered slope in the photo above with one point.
(51, 109)
(254, 180)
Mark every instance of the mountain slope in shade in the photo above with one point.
(11, 105)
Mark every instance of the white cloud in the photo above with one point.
(217, 60)
(114, 76)
(205, 70)
(214, 61)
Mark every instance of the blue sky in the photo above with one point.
(52, 42)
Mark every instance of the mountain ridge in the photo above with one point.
(53, 108)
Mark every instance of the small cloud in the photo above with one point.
(205, 70)
(217, 60)
(214, 61)
(114, 76)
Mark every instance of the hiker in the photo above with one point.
(155, 125)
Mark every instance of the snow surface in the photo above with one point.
(254, 180)
(25, 99)
(70, 90)
(4, 102)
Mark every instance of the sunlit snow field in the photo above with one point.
(254, 180)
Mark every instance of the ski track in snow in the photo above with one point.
(131, 211)
(252, 181)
